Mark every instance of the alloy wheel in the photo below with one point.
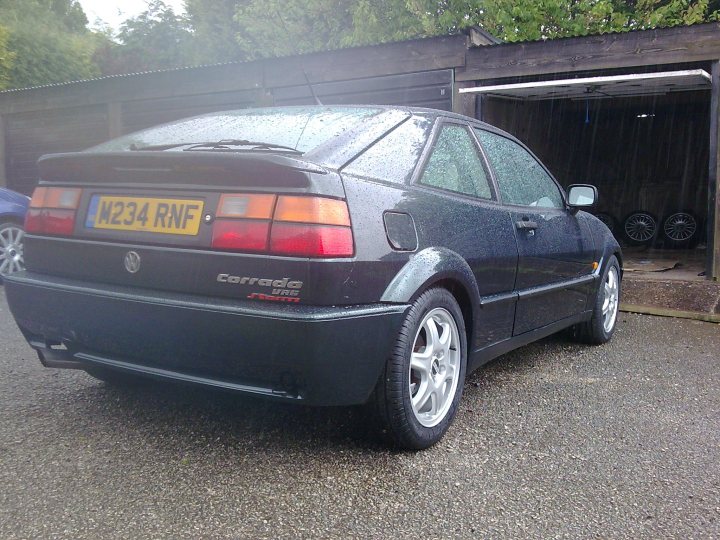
(434, 367)
(640, 227)
(680, 226)
(11, 249)
(611, 300)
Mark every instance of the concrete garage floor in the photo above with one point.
(554, 440)
(669, 264)
(668, 283)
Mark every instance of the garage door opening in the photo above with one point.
(641, 138)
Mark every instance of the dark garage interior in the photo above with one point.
(647, 154)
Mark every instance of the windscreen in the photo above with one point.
(301, 128)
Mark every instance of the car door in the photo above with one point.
(556, 251)
(459, 211)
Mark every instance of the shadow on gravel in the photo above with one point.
(191, 413)
(187, 414)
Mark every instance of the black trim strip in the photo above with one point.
(183, 377)
(544, 289)
(498, 298)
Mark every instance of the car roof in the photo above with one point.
(425, 111)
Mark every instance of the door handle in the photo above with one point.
(526, 225)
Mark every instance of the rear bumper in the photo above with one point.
(314, 355)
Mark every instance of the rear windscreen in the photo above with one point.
(301, 128)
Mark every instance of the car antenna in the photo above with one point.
(302, 68)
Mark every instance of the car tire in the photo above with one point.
(601, 327)
(681, 230)
(640, 228)
(113, 377)
(417, 395)
(11, 249)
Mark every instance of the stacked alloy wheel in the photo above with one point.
(679, 229)
(640, 228)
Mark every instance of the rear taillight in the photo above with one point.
(311, 240)
(52, 211)
(299, 226)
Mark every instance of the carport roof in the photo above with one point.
(633, 84)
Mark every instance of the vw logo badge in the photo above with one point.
(132, 262)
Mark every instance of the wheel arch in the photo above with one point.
(11, 218)
(619, 256)
(437, 267)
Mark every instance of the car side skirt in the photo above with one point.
(484, 355)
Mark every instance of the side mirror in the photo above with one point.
(582, 196)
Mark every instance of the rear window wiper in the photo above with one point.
(256, 145)
(224, 144)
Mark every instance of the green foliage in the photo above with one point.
(7, 58)
(277, 27)
(521, 20)
(49, 57)
(283, 27)
(156, 39)
(654, 13)
(214, 29)
(49, 41)
(378, 21)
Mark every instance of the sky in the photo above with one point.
(114, 12)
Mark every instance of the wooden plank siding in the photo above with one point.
(609, 51)
(424, 89)
(29, 135)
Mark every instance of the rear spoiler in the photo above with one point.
(178, 168)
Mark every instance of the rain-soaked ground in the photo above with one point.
(554, 440)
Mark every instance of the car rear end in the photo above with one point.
(229, 269)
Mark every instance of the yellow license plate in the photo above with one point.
(167, 216)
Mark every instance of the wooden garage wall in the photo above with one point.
(424, 89)
(32, 134)
(29, 135)
(74, 116)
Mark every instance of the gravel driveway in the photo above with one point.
(554, 440)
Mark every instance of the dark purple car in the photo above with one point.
(317, 255)
(13, 207)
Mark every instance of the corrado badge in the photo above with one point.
(282, 290)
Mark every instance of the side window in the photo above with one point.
(394, 156)
(455, 164)
(521, 179)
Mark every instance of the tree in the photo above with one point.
(283, 27)
(275, 27)
(520, 20)
(7, 58)
(156, 39)
(655, 13)
(214, 31)
(49, 41)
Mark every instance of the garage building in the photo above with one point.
(633, 113)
